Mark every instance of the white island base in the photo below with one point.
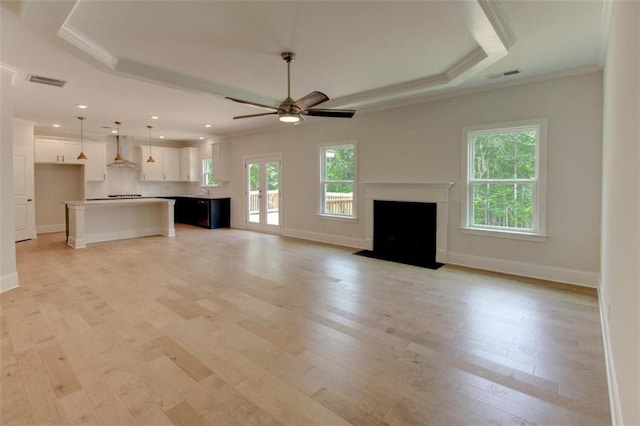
(94, 221)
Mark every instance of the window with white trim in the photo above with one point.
(207, 173)
(338, 180)
(505, 177)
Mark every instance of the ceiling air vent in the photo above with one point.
(45, 80)
(504, 74)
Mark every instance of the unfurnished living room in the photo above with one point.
(319, 212)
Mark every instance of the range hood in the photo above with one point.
(118, 161)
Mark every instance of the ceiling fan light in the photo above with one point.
(289, 118)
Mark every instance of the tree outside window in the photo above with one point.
(337, 180)
(505, 189)
(207, 173)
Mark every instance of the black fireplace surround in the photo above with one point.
(404, 232)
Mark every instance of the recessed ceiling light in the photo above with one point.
(154, 117)
(56, 125)
(82, 106)
(161, 137)
(114, 131)
(201, 137)
(207, 125)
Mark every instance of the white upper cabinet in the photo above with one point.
(171, 164)
(57, 151)
(190, 164)
(95, 166)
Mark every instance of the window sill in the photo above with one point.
(512, 235)
(337, 218)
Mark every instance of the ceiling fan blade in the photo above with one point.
(253, 104)
(311, 99)
(254, 115)
(337, 113)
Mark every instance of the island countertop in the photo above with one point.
(116, 201)
(92, 221)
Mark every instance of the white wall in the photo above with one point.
(23, 134)
(421, 143)
(620, 287)
(54, 184)
(8, 271)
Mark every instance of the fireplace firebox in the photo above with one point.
(404, 232)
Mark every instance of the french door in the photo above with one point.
(263, 193)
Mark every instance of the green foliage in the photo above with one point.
(273, 169)
(508, 161)
(505, 156)
(207, 171)
(340, 166)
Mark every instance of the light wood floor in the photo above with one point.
(229, 327)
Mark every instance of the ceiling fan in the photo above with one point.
(290, 111)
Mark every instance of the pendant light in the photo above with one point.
(150, 159)
(81, 156)
(118, 156)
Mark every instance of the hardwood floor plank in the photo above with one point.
(14, 407)
(78, 409)
(61, 375)
(234, 327)
(42, 398)
(184, 359)
(184, 414)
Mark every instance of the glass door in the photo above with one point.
(263, 193)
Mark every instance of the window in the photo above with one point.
(337, 180)
(505, 177)
(207, 173)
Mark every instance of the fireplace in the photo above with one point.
(405, 232)
(431, 204)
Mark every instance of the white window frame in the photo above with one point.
(539, 231)
(203, 178)
(322, 148)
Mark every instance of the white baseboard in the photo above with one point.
(326, 238)
(8, 282)
(238, 225)
(612, 381)
(44, 229)
(531, 270)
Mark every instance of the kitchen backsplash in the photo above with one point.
(125, 180)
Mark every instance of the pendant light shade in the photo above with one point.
(150, 159)
(82, 156)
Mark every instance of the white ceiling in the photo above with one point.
(128, 60)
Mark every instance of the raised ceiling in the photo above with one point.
(177, 60)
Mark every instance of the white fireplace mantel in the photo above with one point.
(421, 192)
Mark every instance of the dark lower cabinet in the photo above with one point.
(204, 212)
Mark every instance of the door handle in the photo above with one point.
(29, 199)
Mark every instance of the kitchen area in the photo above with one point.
(128, 187)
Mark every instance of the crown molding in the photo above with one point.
(484, 20)
(70, 34)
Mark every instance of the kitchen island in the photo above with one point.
(92, 221)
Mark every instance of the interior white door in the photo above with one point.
(264, 193)
(23, 190)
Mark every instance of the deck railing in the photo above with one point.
(338, 203)
(273, 201)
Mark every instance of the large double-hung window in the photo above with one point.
(505, 178)
(338, 180)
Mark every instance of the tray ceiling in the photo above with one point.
(179, 59)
